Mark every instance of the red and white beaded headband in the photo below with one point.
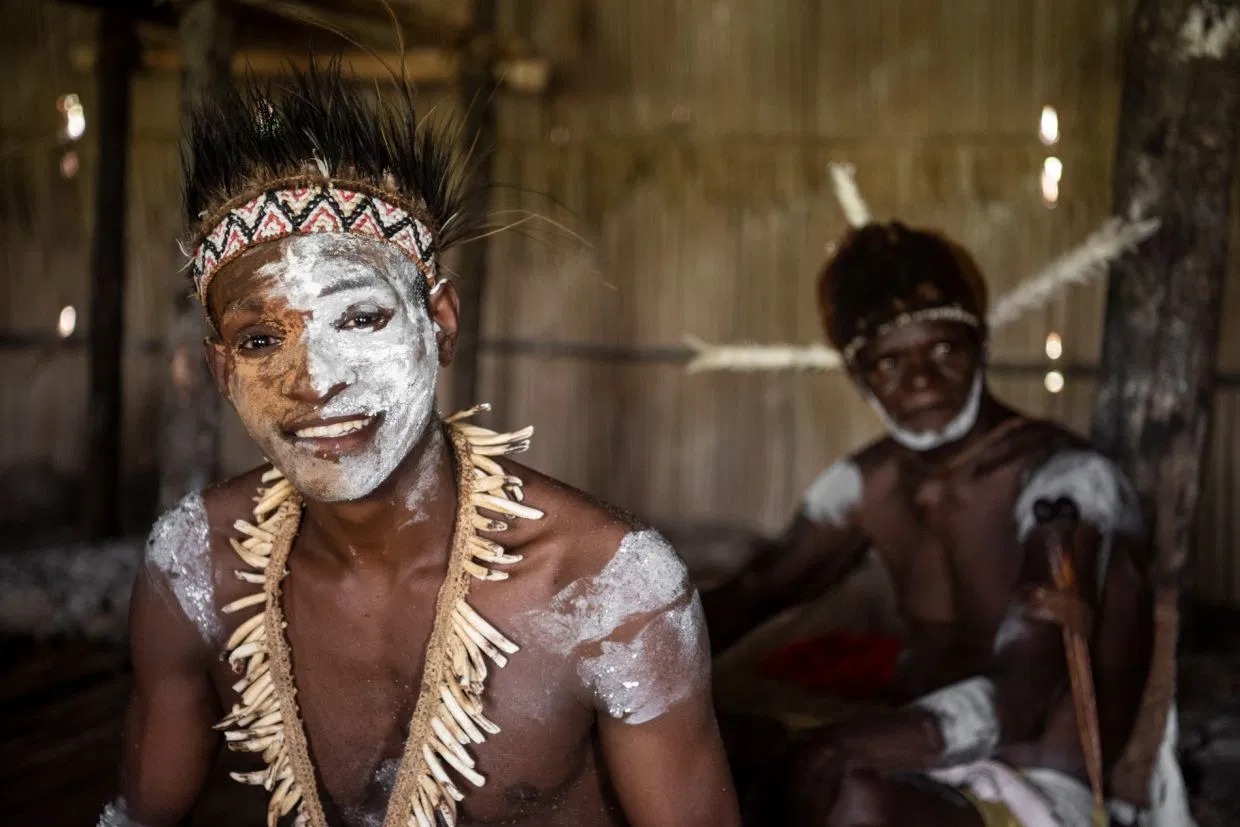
(316, 208)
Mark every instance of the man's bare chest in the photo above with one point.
(956, 529)
(357, 665)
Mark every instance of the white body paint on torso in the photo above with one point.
(643, 618)
(835, 494)
(954, 430)
(179, 548)
(389, 372)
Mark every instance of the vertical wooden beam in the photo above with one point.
(117, 51)
(191, 413)
(477, 95)
(1175, 160)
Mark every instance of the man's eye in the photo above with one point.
(942, 349)
(886, 364)
(258, 341)
(364, 320)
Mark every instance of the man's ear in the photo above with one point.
(217, 362)
(444, 305)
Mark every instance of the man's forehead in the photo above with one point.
(317, 265)
(919, 334)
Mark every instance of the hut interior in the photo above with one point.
(661, 171)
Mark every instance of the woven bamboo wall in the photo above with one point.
(686, 142)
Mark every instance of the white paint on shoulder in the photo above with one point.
(666, 662)
(1102, 494)
(835, 494)
(967, 719)
(644, 575)
(180, 549)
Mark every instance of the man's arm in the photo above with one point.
(169, 744)
(650, 684)
(822, 544)
(1078, 507)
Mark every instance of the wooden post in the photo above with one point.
(477, 92)
(191, 412)
(117, 48)
(1175, 160)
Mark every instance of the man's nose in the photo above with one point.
(299, 382)
(917, 375)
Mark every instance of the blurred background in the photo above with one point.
(666, 164)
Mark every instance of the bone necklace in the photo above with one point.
(448, 714)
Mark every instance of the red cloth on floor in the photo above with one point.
(853, 666)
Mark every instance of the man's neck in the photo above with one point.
(411, 515)
(991, 414)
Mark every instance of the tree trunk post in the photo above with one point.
(1175, 161)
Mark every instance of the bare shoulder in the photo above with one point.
(839, 491)
(1027, 445)
(579, 536)
(1100, 491)
(184, 552)
(188, 555)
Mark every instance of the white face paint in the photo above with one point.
(835, 494)
(954, 430)
(370, 376)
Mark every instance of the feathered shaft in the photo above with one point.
(1087, 261)
(710, 357)
(323, 124)
(844, 180)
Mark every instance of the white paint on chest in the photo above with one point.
(179, 549)
(422, 493)
(389, 372)
(644, 575)
(666, 662)
(835, 494)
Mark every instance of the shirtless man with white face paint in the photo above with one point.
(962, 502)
(406, 628)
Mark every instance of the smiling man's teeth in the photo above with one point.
(334, 429)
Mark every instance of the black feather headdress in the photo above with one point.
(318, 126)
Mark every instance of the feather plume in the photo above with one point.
(321, 123)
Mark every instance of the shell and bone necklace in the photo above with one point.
(448, 715)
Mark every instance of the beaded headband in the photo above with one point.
(303, 210)
(949, 313)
